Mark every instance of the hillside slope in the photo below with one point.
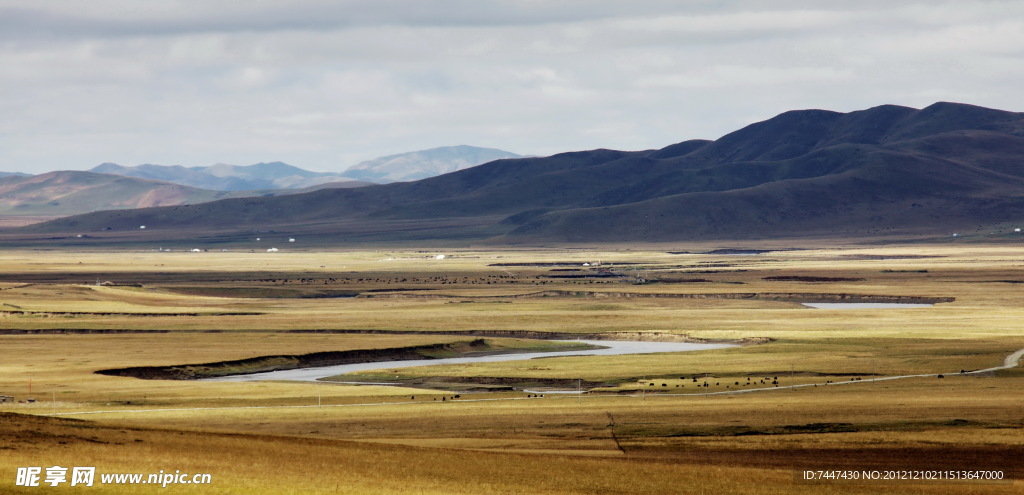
(73, 192)
(224, 177)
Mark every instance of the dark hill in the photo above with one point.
(887, 170)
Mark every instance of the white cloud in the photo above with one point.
(723, 76)
(324, 84)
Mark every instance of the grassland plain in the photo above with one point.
(646, 426)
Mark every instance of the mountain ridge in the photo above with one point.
(886, 170)
(423, 164)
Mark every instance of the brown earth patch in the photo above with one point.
(799, 278)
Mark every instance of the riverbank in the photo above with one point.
(339, 373)
(274, 363)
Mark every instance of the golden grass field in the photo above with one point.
(65, 315)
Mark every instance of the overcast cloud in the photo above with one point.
(325, 84)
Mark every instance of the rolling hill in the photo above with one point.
(72, 192)
(69, 192)
(884, 171)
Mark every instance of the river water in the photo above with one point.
(866, 305)
(610, 348)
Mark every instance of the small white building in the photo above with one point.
(272, 250)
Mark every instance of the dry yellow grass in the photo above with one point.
(271, 465)
(269, 437)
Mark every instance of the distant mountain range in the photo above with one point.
(105, 187)
(884, 171)
(222, 177)
(413, 165)
(424, 164)
(71, 192)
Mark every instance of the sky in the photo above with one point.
(325, 84)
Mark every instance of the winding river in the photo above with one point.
(867, 305)
(609, 348)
